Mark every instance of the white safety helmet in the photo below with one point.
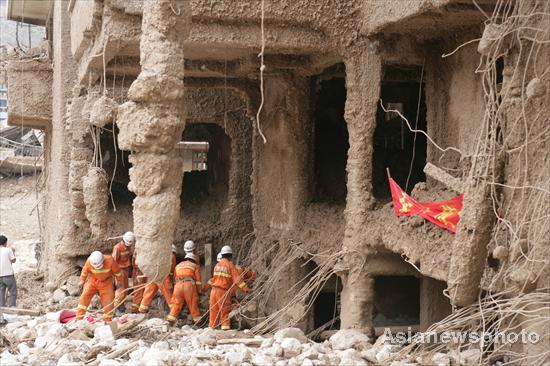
(219, 257)
(174, 248)
(128, 238)
(190, 256)
(189, 246)
(96, 259)
(226, 249)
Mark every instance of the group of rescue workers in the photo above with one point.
(182, 287)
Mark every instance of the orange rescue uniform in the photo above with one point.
(225, 276)
(164, 287)
(244, 275)
(185, 291)
(139, 279)
(99, 281)
(123, 257)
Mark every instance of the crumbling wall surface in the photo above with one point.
(454, 116)
(96, 196)
(222, 219)
(55, 202)
(150, 126)
(30, 96)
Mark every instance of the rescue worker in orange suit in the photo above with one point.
(165, 287)
(139, 280)
(97, 278)
(245, 275)
(185, 289)
(123, 257)
(225, 276)
(189, 247)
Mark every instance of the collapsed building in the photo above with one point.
(299, 139)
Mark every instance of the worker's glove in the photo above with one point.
(80, 286)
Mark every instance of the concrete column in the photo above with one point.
(151, 124)
(56, 204)
(434, 306)
(358, 302)
(363, 76)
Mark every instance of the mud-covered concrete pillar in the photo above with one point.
(56, 223)
(151, 124)
(363, 76)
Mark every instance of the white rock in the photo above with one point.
(137, 354)
(55, 330)
(281, 363)
(161, 345)
(23, 348)
(42, 342)
(10, 327)
(207, 337)
(109, 363)
(7, 358)
(290, 333)
(349, 338)
(268, 342)
(386, 351)
(236, 358)
(58, 295)
(104, 334)
(293, 362)
(153, 356)
(122, 342)
(441, 359)
(21, 333)
(262, 360)
(275, 351)
(349, 354)
(310, 353)
(469, 357)
(291, 347)
(66, 360)
(370, 355)
(307, 362)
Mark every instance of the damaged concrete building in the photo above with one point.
(298, 151)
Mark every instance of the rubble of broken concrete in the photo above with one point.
(146, 342)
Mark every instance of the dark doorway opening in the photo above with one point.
(206, 173)
(117, 166)
(331, 136)
(396, 300)
(326, 307)
(395, 146)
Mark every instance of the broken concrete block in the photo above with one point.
(349, 338)
(21, 333)
(236, 358)
(441, 359)
(290, 333)
(58, 295)
(291, 347)
(103, 111)
(66, 360)
(104, 334)
(23, 348)
(262, 360)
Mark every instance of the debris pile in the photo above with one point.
(135, 340)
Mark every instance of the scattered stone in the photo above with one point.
(262, 360)
(291, 347)
(58, 295)
(349, 338)
(104, 334)
(441, 359)
(290, 333)
(50, 287)
(535, 88)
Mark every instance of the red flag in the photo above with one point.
(444, 214)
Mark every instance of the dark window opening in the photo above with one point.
(116, 165)
(326, 307)
(395, 146)
(331, 136)
(206, 163)
(396, 300)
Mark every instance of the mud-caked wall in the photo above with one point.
(455, 100)
(216, 207)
